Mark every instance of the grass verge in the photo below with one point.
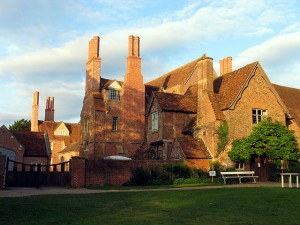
(208, 206)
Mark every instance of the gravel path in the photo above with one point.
(20, 192)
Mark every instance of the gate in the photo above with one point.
(37, 175)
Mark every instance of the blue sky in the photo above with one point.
(43, 44)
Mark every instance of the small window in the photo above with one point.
(87, 125)
(240, 166)
(115, 123)
(62, 132)
(86, 145)
(154, 121)
(258, 115)
(113, 95)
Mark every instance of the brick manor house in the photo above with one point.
(176, 116)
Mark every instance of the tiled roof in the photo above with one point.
(193, 148)
(215, 106)
(33, 142)
(175, 77)
(73, 147)
(291, 99)
(174, 102)
(51, 126)
(228, 86)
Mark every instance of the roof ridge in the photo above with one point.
(180, 67)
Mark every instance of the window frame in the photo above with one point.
(114, 125)
(61, 132)
(154, 119)
(240, 166)
(258, 115)
(114, 95)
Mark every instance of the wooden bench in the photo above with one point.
(238, 175)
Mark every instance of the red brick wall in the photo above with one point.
(256, 96)
(2, 171)
(8, 141)
(36, 160)
(93, 172)
(77, 172)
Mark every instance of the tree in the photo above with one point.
(241, 151)
(272, 139)
(20, 125)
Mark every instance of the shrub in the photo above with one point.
(178, 173)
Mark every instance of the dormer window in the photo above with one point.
(113, 95)
(62, 132)
(258, 115)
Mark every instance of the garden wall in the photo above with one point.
(99, 172)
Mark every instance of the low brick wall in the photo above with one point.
(2, 171)
(89, 173)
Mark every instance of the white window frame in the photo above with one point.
(114, 126)
(258, 115)
(113, 94)
(240, 166)
(154, 116)
(62, 132)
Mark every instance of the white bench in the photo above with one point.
(239, 175)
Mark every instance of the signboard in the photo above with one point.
(212, 173)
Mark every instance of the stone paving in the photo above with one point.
(20, 192)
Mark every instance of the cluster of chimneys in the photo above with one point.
(49, 111)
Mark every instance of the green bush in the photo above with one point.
(274, 171)
(178, 173)
(140, 176)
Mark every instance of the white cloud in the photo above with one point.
(279, 56)
(46, 48)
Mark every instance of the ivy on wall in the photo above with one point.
(223, 135)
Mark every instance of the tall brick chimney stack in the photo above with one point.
(93, 66)
(225, 65)
(35, 112)
(133, 94)
(205, 73)
(205, 85)
(49, 111)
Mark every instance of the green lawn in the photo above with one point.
(208, 206)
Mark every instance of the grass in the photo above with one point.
(169, 186)
(208, 206)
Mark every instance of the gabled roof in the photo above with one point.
(175, 102)
(229, 86)
(193, 148)
(175, 77)
(51, 126)
(291, 99)
(105, 83)
(33, 142)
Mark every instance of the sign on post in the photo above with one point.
(212, 174)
